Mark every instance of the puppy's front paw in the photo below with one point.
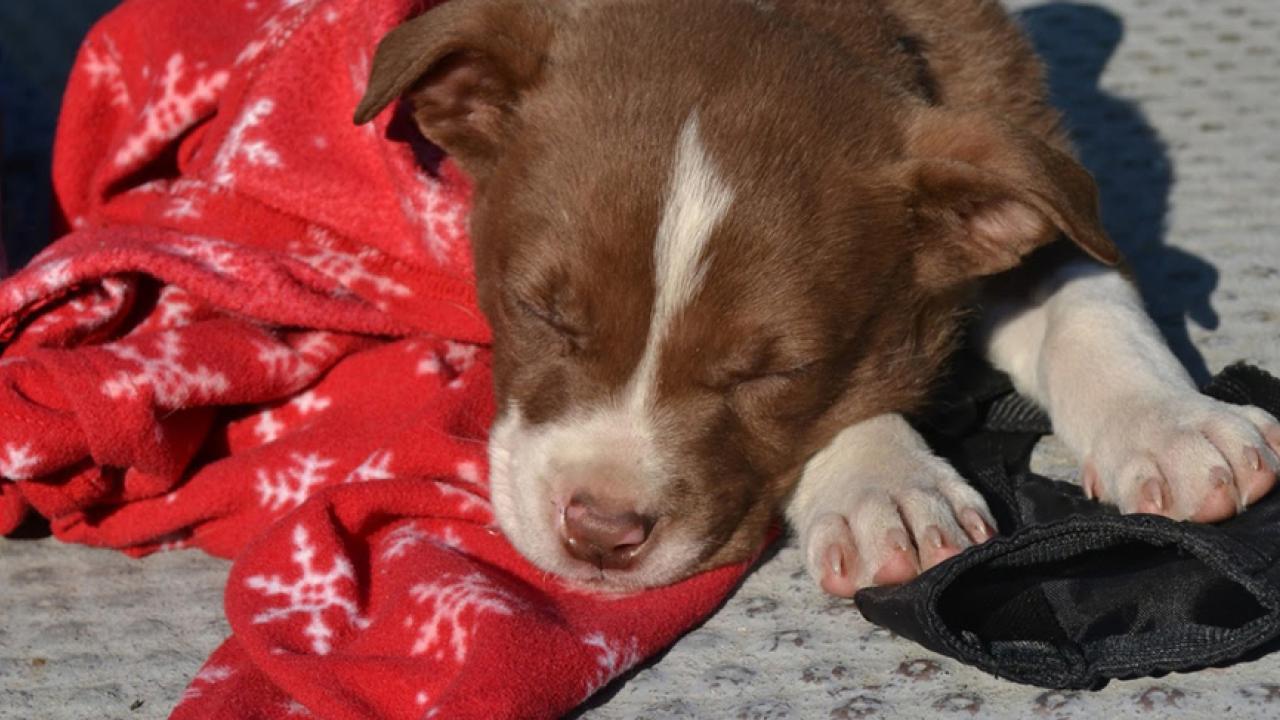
(1184, 457)
(884, 525)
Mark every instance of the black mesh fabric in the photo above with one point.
(1073, 594)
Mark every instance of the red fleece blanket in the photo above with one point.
(259, 338)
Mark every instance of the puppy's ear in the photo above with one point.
(464, 67)
(983, 195)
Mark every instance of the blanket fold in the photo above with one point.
(259, 338)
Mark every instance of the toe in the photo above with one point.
(1242, 442)
(978, 527)
(1266, 425)
(1221, 501)
(831, 555)
(930, 518)
(1255, 473)
(1142, 487)
(900, 563)
(1090, 483)
(1258, 463)
(1272, 435)
(839, 564)
(933, 547)
(1154, 496)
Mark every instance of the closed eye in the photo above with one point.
(789, 373)
(551, 319)
(781, 375)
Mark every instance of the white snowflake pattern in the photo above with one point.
(406, 536)
(277, 29)
(40, 278)
(468, 471)
(421, 698)
(214, 674)
(172, 383)
(310, 402)
(18, 462)
(268, 429)
(288, 488)
(216, 256)
(457, 602)
(175, 111)
(348, 269)
(174, 309)
(181, 208)
(430, 364)
(183, 196)
(612, 659)
(313, 594)
(458, 358)
(208, 675)
(92, 309)
(56, 274)
(440, 218)
(238, 148)
(401, 539)
(295, 365)
(449, 539)
(467, 500)
(375, 467)
(293, 708)
(104, 68)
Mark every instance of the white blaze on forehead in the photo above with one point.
(533, 467)
(697, 199)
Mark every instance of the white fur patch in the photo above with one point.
(875, 477)
(534, 469)
(531, 480)
(697, 199)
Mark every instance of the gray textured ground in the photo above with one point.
(1176, 106)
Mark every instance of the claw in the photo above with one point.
(978, 529)
(1153, 493)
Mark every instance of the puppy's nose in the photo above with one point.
(602, 534)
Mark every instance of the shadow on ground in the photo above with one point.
(1132, 167)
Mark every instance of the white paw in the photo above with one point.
(1186, 456)
(882, 520)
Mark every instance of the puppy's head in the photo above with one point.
(706, 240)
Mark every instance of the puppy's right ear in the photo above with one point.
(464, 66)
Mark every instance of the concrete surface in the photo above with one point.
(1176, 108)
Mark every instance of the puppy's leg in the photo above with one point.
(1082, 345)
(876, 507)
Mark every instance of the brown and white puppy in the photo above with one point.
(724, 243)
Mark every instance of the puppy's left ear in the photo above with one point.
(983, 195)
(464, 66)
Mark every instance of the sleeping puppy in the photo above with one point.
(725, 244)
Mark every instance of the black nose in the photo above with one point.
(604, 535)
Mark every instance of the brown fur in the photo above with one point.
(884, 155)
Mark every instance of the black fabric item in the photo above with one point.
(1072, 594)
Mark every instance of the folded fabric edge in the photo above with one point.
(1044, 664)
